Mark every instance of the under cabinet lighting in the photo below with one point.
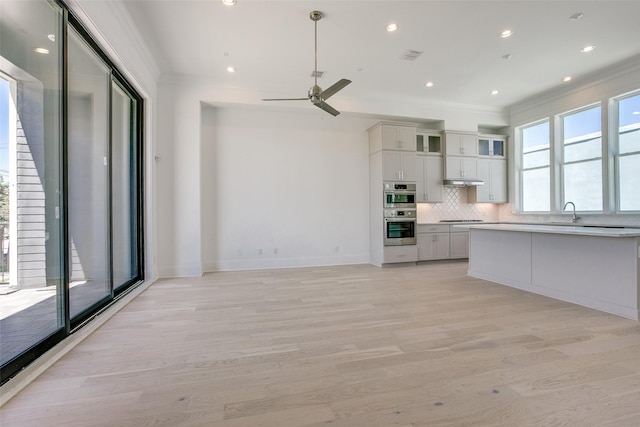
(429, 84)
(566, 79)
(231, 69)
(587, 49)
(494, 92)
(392, 27)
(506, 33)
(229, 2)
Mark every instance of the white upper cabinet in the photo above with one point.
(459, 167)
(493, 171)
(461, 144)
(492, 146)
(429, 142)
(398, 166)
(396, 137)
(429, 175)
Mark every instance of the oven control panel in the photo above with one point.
(400, 213)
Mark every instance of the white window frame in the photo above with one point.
(559, 144)
(520, 167)
(615, 151)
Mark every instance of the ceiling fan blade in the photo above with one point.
(328, 108)
(331, 90)
(286, 99)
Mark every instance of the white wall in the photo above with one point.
(283, 189)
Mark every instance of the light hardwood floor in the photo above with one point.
(343, 346)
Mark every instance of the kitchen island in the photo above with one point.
(596, 267)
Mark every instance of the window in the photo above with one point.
(536, 170)
(628, 159)
(582, 159)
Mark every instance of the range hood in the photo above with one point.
(463, 182)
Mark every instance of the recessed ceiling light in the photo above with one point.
(506, 33)
(229, 2)
(231, 69)
(494, 92)
(52, 37)
(576, 16)
(566, 79)
(587, 49)
(392, 27)
(41, 50)
(429, 84)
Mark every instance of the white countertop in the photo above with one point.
(556, 229)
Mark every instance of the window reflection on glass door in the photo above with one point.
(88, 172)
(123, 185)
(31, 285)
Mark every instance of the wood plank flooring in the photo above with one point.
(343, 346)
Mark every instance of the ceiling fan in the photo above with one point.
(316, 95)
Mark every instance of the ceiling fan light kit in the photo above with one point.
(316, 95)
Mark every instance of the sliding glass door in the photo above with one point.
(124, 179)
(32, 307)
(70, 182)
(88, 167)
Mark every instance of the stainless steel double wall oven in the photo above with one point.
(399, 213)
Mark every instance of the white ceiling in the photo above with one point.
(271, 44)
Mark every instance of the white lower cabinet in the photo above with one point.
(441, 241)
(394, 254)
(433, 242)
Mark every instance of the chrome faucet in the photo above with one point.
(574, 218)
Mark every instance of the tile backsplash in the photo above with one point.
(507, 214)
(455, 205)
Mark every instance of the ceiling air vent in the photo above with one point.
(411, 55)
(317, 74)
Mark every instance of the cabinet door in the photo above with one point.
(461, 144)
(493, 146)
(391, 165)
(433, 178)
(453, 167)
(408, 166)
(499, 181)
(483, 192)
(398, 138)
(469, 145)
(469, 167)
(421, 178)
(428, 143)
(429, 187)
(498, 147)
(433, 246)
(494, 174)
(457, 167)
(460, 244)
